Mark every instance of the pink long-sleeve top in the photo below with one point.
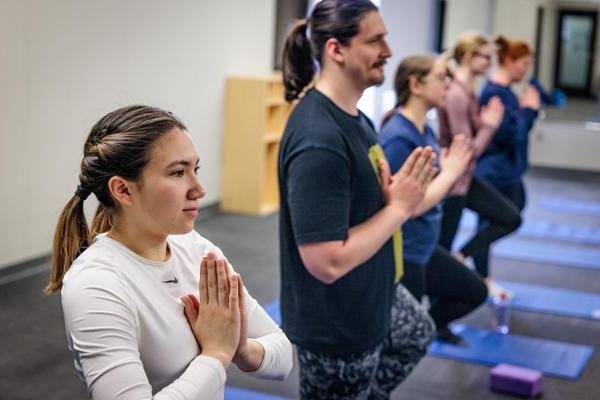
(461, 115)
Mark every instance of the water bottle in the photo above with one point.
(500, 304)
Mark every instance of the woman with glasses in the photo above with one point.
(420, 84)
(461, 113)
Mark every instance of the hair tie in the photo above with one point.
(91, 159)
(82, 193)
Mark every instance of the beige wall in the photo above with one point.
(67, 62)
(465, 15)
(516, 19)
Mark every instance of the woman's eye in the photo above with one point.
(196, 169)
(179, 173)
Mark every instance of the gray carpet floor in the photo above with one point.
(35, 364)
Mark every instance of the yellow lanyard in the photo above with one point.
(375, 155)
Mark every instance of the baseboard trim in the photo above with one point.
(24, 269)
(37, 265)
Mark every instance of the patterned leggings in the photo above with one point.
(375, 373)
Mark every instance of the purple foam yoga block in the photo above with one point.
(517, 380)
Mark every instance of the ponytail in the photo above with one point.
(502, 46)
(511, 49)
(501, 42)
(412, 67)
(102, 221)
(339, 19)
(298, 65)
(118, 145)
(450, 64)
(71, 237)
(388, 115)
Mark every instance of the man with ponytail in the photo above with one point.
(152, 309)
(358, 332)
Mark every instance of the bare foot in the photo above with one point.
(496, 290)
(459, 256)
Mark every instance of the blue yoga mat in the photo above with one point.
(567, 206)
(556, 253)
(557, 359)
(242, 394)
(553, 301)
(274, 312)
(543, 230)
(563, 360)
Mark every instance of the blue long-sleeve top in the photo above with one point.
(505, 160)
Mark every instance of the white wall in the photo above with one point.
(565, 144)
(65, 63)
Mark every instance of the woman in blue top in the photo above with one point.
(420, 85)
(505, 159)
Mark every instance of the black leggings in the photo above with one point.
(499, 215)
(515, 193)
(453, 288)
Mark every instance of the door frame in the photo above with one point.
(575, 91)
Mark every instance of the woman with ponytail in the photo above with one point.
(461, 113)
(505, 159)
(152, 309)
(420, 85)
(358, 332)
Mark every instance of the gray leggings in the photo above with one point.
(375, 373)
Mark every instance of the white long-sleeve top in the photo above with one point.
(128, 333)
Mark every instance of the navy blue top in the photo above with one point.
(327, 184)
(505, 159)
(399, 137)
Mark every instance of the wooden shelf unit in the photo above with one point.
(255, 117)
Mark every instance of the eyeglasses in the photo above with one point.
(483, 55)
(446, 79)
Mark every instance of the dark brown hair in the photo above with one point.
(118, 145)
(304, 44)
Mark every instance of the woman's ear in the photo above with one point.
(414, 85)
(467, 57)
(120, 190)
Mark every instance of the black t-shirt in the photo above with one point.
(328, 184)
